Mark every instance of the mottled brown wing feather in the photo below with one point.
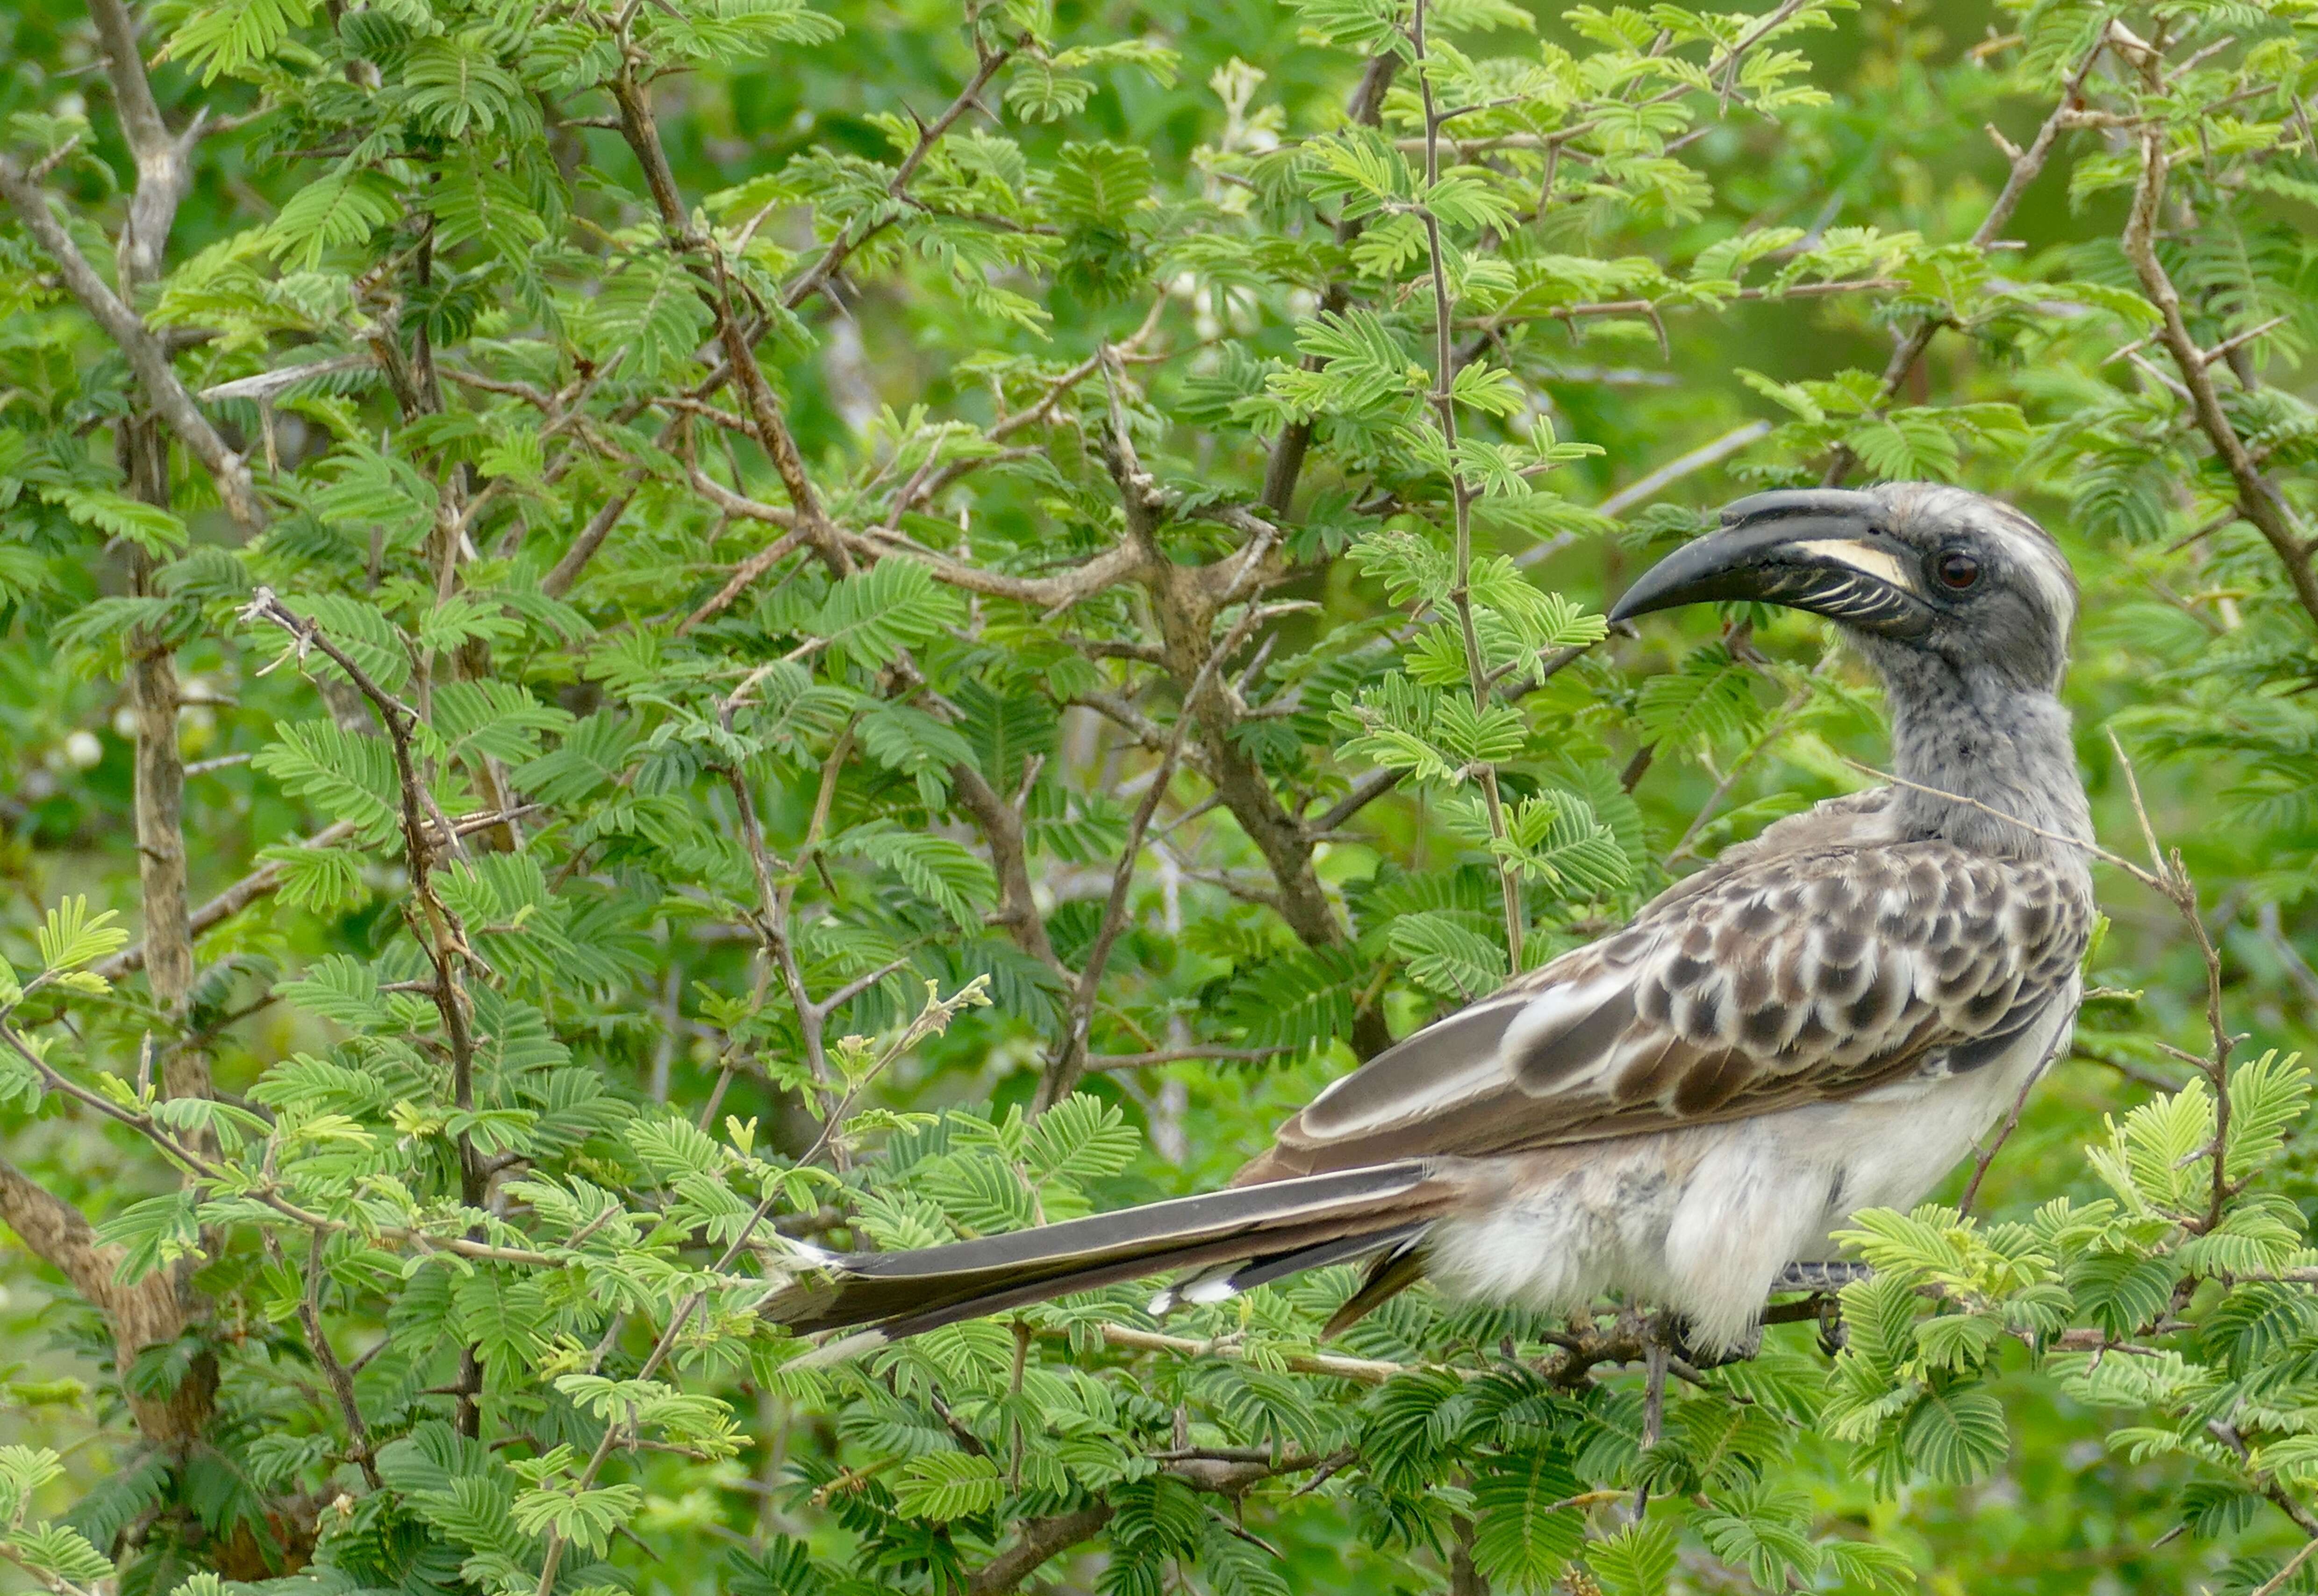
(1783, 976)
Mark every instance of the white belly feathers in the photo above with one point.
(1702, 1219)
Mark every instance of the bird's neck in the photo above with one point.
(1983, 753)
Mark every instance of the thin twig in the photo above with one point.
(2027, 164)
(1169, 1055)
(1641, 491)
(1062, 1073)
(2172, 880)
(342, 1383)
(1376, 784)
(2093, 848)
(842, 247)
(192, 1160)
(1772, 732)
(2259, 498)
(2276, 1582)
(259, 882)
(1443, 402)
(1364, 1371)
(1285, 462)
(2004, 1132)
(164, 390)
(442, 937)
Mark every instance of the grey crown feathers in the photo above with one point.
(1825, 1019)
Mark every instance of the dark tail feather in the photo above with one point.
(1320, 1218)
(1279, 1266)
(1388, 1277)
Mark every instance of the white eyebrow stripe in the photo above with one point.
(1879, 563)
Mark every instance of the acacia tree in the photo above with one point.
(793, 628)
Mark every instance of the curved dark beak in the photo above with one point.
(1821, 550)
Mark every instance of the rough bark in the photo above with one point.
(149, 1312)
(1001, 824)
(1041, 1538)
(162, 389)
(1185, 599)
(158, 1308)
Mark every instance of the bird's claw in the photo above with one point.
(1821, 1276)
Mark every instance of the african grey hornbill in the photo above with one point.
(1824, 1020)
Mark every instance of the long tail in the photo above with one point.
(1269, 1231)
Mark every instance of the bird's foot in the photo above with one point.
(1821, 1276)
(1715, 1356)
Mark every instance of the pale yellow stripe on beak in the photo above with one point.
(1866, 557)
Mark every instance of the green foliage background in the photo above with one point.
(690, 626)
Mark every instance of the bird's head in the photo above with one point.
(1906, 567)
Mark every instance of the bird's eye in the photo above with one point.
(1957, 569)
